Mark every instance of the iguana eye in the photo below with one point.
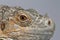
(23, 17)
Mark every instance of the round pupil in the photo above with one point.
(22, 17)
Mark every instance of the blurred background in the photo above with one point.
(52, 7)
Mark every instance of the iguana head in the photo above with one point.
(20, 24)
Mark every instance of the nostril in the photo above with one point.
(49, 22)
(2, 26)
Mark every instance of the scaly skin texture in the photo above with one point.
(17, 23)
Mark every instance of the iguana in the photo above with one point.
(17, 23)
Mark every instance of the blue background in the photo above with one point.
(52, 7)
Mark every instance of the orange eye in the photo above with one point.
(23, 17)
